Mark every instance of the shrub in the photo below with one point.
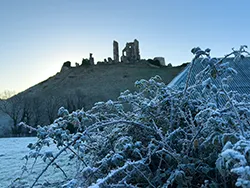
(85, 62)
(159, 136)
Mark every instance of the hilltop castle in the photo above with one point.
(130, 54)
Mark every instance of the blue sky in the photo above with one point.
(36, 37)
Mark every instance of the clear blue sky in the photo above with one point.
(36, 37)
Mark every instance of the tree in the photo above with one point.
(21, 109)
(14, 108)
(50, 109)
(36, 110)
(7, 94)
(75, 100)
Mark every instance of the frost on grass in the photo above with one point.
(157, 136)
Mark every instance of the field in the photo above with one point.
(12, 151)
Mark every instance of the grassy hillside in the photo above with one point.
(100, 82)
(82, 86)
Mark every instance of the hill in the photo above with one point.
(100, 82)
(82, 86)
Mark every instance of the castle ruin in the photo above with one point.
(131, 53)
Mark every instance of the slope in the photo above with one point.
(82, 86)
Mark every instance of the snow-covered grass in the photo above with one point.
(12, 152)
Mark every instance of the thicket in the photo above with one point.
(158, 136)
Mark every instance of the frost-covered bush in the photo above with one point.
(158, 136)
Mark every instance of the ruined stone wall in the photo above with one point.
(131, 52)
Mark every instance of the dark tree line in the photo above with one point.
(35, 111)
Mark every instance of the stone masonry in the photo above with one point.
(131, 52)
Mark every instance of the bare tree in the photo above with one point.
(80, 99)
(52, 104)
(21, 109)
(14, 108)
(7, 94)
(75, 100)
(36, 110)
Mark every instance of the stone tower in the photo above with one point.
(136, 50)
(91, 59)
(116, 51)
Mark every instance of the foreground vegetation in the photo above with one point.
(157, 136)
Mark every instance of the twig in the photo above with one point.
(166, 151)
(57, 155)
(144, 176)
(33, 164)
(191, 143)
(171, 113)
(101, 124)
(113, 173)
(27, 126)
(57, 166)
(236, 113)
(78, 156)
